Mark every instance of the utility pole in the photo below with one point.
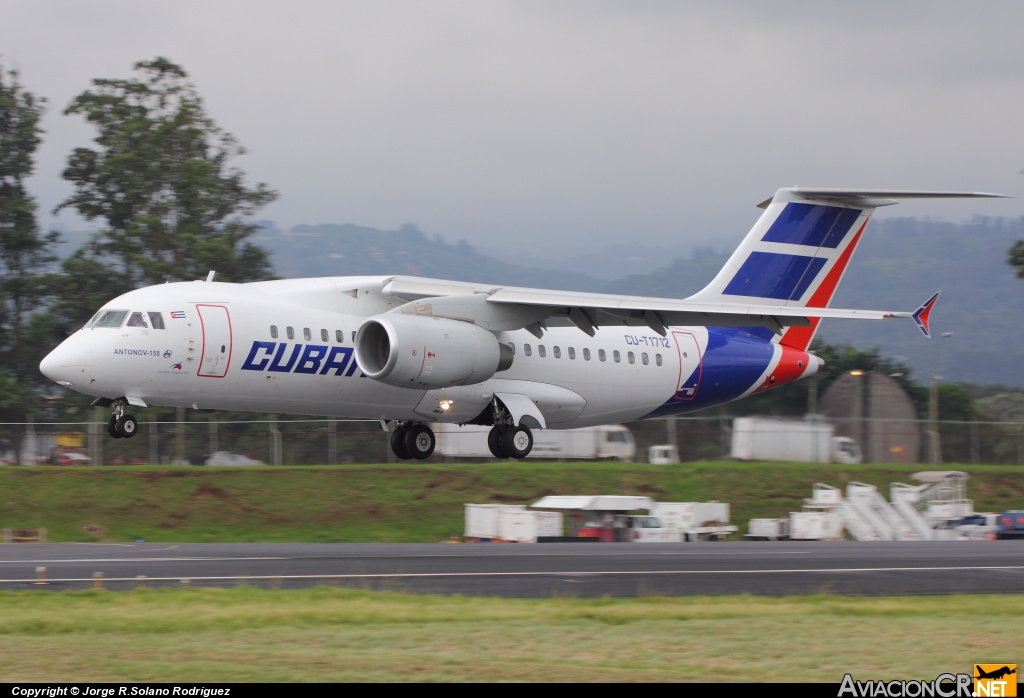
(934, 442)
(934, 456)
(179, 438)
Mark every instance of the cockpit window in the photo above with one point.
(109, 318)
(156, 320)
(137, 320)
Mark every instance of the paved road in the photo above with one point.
(543, 570)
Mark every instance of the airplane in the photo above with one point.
(995, 674)
(408, 351)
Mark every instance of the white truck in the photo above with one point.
(663, 454)
(762, 438)
(695, 521)
(608, 442)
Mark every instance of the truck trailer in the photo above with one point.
(761, 438)
(606, 442)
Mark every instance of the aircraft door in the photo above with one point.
(216, 327)
(689, 365)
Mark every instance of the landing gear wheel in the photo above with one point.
(126, 426)
(517, 442)
(419, 441)
(494, 441)
(398, 443)
(112, 427)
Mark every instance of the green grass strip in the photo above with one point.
(410, 502)
(333, 634)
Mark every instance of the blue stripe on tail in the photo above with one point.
(770, 275)
(812, 225)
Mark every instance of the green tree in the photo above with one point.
(1015, 258)
(161, 179)
(25, 252)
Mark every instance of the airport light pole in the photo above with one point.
(934, 444)
(865, 413)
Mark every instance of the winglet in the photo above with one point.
(922, 316)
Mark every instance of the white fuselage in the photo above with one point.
(287, 347)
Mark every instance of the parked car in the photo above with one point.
(976, 527)
(1010, 525)
(227, 458)
(69, 459)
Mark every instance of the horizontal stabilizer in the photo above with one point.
(879, 197)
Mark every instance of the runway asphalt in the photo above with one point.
(538, 570)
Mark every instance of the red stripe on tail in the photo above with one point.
(800, 337)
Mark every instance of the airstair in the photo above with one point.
(864, 500)
(867, 516)
(914, 513)
(910, 514)
(941, 497)
(831, 499)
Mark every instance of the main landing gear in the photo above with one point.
(510, 441)
(416, 441)
(413, 441)
(121, 425)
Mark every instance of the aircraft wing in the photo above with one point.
(539, 308)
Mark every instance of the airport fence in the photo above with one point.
(271, 440)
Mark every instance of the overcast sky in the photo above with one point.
(556, 124)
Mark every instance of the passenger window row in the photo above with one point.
(307, 334)
(602, 356)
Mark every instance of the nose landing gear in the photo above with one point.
(121, 425)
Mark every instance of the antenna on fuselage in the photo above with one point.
(209, 277)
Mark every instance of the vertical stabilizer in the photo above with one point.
(796, 254)
(799, 249)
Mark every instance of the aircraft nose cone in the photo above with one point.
(65, 363)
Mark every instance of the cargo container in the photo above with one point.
(815, 525)
(512, 523)
(768, 529)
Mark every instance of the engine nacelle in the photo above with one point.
(428, 352)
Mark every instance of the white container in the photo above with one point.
(772, 529)
(684, 516)
(484, 520)
(511, 522)
(815, 525)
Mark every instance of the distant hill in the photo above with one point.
(349, 250)
(899, 264)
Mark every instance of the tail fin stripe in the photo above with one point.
(922, 316)
(800, 337)
(772, 275)
(813, 225)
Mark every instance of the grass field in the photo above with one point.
(330, 634)
(401, 502)
(333, 634)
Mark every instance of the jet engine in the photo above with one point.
(428, 352)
